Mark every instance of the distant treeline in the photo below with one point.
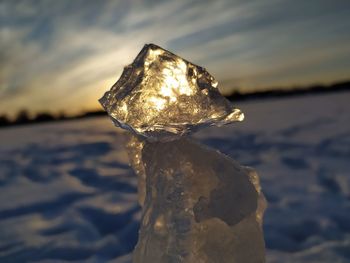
(23, 116)
(297, 91)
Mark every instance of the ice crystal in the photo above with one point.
(161, 95)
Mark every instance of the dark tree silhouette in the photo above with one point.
(4, 121)
(43, 117)
(22, 117)
(61, 116)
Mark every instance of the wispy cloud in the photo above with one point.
(62, 55)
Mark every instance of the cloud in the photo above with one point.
(62, 55)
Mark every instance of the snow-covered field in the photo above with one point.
(68, 194)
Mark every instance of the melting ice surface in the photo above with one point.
(161, 95)
(198, 205)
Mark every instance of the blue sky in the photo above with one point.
(62, 55)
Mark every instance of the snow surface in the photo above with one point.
(67, 192)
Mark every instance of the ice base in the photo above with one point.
(199, 206)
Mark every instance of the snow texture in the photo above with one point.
(67, 193)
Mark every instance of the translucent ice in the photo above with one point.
(134, 148)
(161, 95)
(200, 206)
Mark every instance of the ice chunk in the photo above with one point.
(200, 206)
(161, 95)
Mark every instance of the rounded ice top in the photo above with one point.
(162, 96)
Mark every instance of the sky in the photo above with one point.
(61, 56)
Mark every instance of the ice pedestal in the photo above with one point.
(199, 206)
